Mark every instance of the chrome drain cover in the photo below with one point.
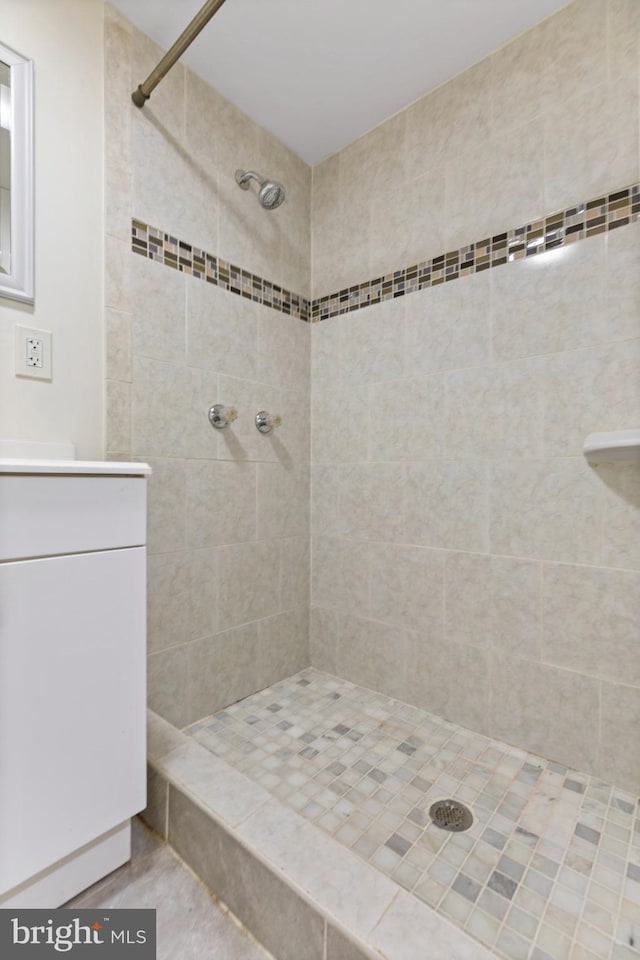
(451, 815)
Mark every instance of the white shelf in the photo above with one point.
(613, 445)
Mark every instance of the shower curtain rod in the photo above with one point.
(201, 19)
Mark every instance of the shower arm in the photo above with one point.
(188, 35)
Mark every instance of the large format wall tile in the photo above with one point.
(592, 621)
(447, 504)
(221, 502)
(547, 509)
(551, 303)
(546, 710)
(619, 741)
(493, 601)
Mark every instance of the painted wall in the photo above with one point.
(228, 511)
(465, 556)
(68, 66)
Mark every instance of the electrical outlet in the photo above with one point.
(33, 353)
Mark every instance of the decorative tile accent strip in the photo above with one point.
(155, 244)
(558, 229)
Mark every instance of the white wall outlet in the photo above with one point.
(33, 353)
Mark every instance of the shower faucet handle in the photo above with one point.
(221, 416)
(265, 422)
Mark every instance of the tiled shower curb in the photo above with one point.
(301, 894)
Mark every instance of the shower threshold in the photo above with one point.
(305, 808)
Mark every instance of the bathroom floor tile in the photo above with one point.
(190, 925)
(366, 770)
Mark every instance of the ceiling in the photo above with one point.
(319, 73)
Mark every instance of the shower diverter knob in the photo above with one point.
(265, 422)
(221, 416)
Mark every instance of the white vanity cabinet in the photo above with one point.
(72, 673)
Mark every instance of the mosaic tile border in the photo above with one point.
(154, 244)
(583, 220)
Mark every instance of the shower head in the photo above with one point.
(271, 193)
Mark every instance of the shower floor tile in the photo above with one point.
(549, 869)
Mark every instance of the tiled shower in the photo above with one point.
(441, 312)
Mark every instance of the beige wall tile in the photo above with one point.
(325, 350)
(495, 411)
(168, 600)
(554, 301)
(620, 487)
(340, 575)
(600, 124)
(521, 98)
(159, 407)
(450, 680)
(622, 283)
(203, 584)
(221, 670)
(507, 168)
(188, 205)
(371, 504)
(372, 654)
(592, 621)
(546, 710)
(574, 49)
(545, 509)
(283, 500)
(248, 582)
(117, 345)
(325, 489)
(158, 303)
(588, 391)
(408, 223)
(447, 504)
(117, 275)
(407, 587)
(220, 502)
(454, 119)
(166, 506)
(295, 573)
(371, 343)
(284, 349)
(207, 114)
(339, 416)
(222, 331)
(118, 414)
(323, 639)
(167, 685)
(406, 419)
(284, 646)
(494, 601)
(619, 741)
(447, 326)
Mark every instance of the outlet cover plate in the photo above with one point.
(26, 339)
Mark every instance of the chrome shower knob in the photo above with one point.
(265, 422)
(221, 416)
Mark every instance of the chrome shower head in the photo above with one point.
(271, 193)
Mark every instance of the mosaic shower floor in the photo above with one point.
(550, 868)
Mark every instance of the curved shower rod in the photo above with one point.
(201, 19)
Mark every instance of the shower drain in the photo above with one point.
(451, 815)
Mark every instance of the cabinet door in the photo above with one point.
(72, 704)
